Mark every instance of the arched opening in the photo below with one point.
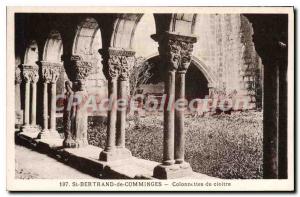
(53, 47)
(53, 51)
(196, 84)
(31, 53)
(87, 43)
(196, 81)
(143, 44)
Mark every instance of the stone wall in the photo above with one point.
(225, 45)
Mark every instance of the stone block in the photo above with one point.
(115, 155)
(49, 134)
(174, 171)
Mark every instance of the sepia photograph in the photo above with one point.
(150, 99)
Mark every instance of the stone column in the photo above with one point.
(117, 66)
(112, 114)
(34, 80)
(18, 110)
(179, 117)
(30, 74)
(121, 113)
(78, 71)
(54, 77)
(26, 71)
(123, 102)
(176, 54)
(45, 106)
(168, 143)
(50, 74)
(186, 57)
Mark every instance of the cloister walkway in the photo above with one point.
(26, 169)
(81, 160)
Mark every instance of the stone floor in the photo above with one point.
(78, 163)
(43, 166)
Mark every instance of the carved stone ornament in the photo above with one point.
(50, 71)
(30, 73)
(176, 50)
(18, 77)
(81, 69)
(118, 63)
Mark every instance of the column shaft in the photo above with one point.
(45, 106)
(121, 113)
(168, 156)
(112, 115)
(18, 97)
(33, 104)
(53, 107)
(179, 119)
(27, 102)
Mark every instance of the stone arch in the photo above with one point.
(183, 23)
(53, 51)
(87, 43)
(53, 48)
(206, 70)
(124, 29)
(87, 35)
(126, 24)
(176, 23)
(31, 53)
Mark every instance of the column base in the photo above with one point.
(79, 143)
(30, 129)
(115, 154)
(48, 134)
(172, 171)
(69, 143)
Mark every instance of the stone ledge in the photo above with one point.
(87, 161)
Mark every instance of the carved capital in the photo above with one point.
(30, 73)
(50, 71)
(35, 75)
(119, 63)
(78, 71)
(176, 50)
(81, 69)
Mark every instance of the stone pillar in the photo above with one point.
(179, 117)
(45, 106)
(168, 143)
(176, 54)
(78, 71)
(50, 74)
(118, 63)
(54, 78)
(112, 114)
(18, 110)
(34, 80)
(27, 102)
(30, 74)
(122, 103)
(26, 76)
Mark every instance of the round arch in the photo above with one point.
(53, 48)
(125, 26)
(207, 72)
(87, 40)
(86, 44)
(31, 53)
